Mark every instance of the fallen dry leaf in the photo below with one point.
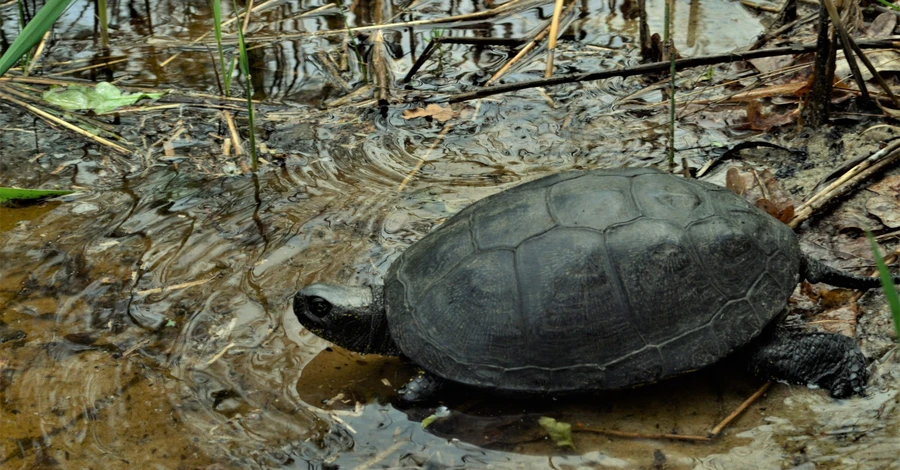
(759, 121)
(882, 26)
(784, 214)
(796, 88)
(769, 64)
(855, 221)
(769, 197)
(838, 320)
(887, 186)
(432, 110)
(735, 182)
(886, 208)
(884, 60)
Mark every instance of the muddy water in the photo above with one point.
(146, 323)
(149, 324)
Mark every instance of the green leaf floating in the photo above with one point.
(102, 98)
(558, 431)
(16, 194)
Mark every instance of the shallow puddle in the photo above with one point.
(146, 321)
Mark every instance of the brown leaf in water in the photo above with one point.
(432, 110)
(759, 121)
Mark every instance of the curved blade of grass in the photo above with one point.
(248, 89)
(217, 30)
(889, 5)
(33, 32)
(17, 194)
(887, 282)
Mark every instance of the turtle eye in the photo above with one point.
(319, 306)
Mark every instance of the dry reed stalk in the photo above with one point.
(525, 50)
(38, 52)
(53, 120)
(554, 33)
(849, 180)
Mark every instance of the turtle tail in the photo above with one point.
(814, 271)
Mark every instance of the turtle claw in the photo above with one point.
(828, 360)
(420, 388)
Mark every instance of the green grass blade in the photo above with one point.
(103, 19)
(217, 30)
(889, 5)
(887, 282)
(32, 33)
(17, 194)
(248, 87)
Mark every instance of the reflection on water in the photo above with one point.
(147, 323)
(293, 43)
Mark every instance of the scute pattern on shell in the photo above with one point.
(590, 280)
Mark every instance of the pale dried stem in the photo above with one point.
(554, 33)
(332, 72)
(235, 136)
(50, 81)
(38, 52)
(714, 433)
(412, 173)
(525, 50)
(89, 67)
(247, 16)
(849, 180)
(740, 409)
(55, 120)
(639, 435)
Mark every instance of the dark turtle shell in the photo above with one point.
(590, 280)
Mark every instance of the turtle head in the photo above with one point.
(351, 317)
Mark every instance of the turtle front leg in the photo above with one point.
(421, 387)
(828, 360)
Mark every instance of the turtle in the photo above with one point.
(592, 280)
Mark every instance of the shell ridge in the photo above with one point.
(626, 302)
(447, 272)
(527, 337)
(714, 317)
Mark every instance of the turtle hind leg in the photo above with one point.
(420, 388)
(826, 360)
(814, 271)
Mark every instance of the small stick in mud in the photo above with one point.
(713, 434)
(740, 409)
(638, 435)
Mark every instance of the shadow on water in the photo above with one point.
(147, 323)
